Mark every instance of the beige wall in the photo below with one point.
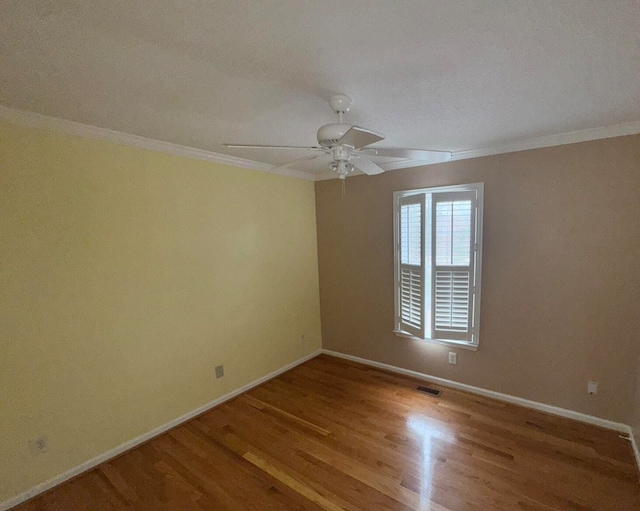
(561, 278)
(125, 277)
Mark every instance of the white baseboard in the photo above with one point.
(562, 412)
(554, 410)
(106, 456)
(634, 445)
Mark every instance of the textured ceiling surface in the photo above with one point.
(448, 75)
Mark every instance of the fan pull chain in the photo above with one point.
(343, 187)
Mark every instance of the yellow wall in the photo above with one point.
(125, 277)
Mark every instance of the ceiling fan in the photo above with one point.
(345, 146)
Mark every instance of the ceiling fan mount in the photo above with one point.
(343, 142)
(340, 103)
(330, 134)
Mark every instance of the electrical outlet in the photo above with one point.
(38, 445)
(453, 358)
(219, 371)
(592, 387)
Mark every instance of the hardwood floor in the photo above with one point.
(335, 435)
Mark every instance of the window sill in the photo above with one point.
(453, 344)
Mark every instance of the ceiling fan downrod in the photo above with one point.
(340, 104)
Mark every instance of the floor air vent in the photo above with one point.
(429, 390)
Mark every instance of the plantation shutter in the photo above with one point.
(453, 282)
(412, 261)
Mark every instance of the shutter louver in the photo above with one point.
(452, 301)
(454, 246)
(411, 297)
(411, 278)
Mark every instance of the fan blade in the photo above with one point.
(298, 160)
(250, 146)
(367, 166)
(359, 137)
(410, 154)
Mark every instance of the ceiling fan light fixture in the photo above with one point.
(342, 168)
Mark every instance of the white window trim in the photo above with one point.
(479, 187)
(446, 342)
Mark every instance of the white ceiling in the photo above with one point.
(447, 75)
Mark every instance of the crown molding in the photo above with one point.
(35, 120)
(571, 137)
(395, 165)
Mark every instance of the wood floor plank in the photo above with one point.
(237, 432)
(336, 435)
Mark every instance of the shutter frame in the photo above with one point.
(453, 286)
(410, 293)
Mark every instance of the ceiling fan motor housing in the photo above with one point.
(329, 134)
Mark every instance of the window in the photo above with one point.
(438, 252)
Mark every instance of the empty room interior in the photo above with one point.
(283, 255)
